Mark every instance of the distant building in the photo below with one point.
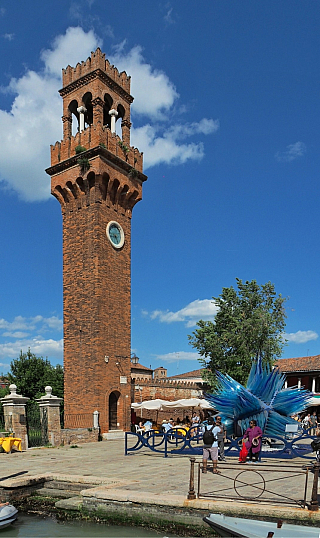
(303, 372)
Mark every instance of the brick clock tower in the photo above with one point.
(97, 178)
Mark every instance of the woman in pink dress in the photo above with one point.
(252, 438)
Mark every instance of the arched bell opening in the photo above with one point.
(108, 101)
(73, 109)
(121, 113)
(113, 410)
(87, 102)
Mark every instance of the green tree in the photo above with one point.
(32, 374)
(249, 322)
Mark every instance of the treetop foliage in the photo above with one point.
(32, 374)
(250, 322)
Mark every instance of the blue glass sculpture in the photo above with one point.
(264, 400)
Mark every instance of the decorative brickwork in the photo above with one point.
(99, 185)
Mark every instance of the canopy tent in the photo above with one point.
(162, 405)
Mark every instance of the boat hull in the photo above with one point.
(227, 527)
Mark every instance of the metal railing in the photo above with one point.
(182, 441)
(273, 484)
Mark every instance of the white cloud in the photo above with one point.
(178, 356)
(34, 121)
(38, 323)
(199, 309)
(51, 348)
(292, 152)
(69, 49)
(167, 148)
(154, 94)
(9, 37)
(301, 337)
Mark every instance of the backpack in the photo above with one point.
(208, 437)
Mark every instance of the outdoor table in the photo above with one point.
(8, 443)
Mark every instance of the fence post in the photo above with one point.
(51, 404)
(191, 493)
(14, 409)
(314, 505)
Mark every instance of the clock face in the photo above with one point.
(115, 234)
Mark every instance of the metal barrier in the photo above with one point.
(175, 441)
(267, 483)
(182, 441)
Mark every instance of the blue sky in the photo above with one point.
(226, 112)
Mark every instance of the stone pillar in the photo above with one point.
(286, 384)
(113, 113)
(81, 110)
(125, 125)
(313, 385)
(97, 111)
(14, 407)
(299, 382)
(67, 126)
(50, 405)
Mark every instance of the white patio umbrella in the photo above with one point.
(188, 402)
(156, 404)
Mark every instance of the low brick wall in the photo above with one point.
(79, 436)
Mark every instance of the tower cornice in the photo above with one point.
(105, 154)
(89, 77)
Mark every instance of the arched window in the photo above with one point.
(75, 116)
(121, 113)
(87, 101)
(107, 106)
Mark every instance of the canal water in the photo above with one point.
(27, 526)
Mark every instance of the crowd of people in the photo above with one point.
(214, 443)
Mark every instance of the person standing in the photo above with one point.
(210, 449)
(313, 421)
(253, 440)
(221, 438)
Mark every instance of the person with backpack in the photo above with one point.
(210, 446)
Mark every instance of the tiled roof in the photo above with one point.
(188, 375)
(299, 364)
(139, 366)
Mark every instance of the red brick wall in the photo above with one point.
(96, 276)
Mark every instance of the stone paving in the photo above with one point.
(146, 477)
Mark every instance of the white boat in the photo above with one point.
(228, 526)
(8, 514)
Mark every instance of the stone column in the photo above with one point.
(50, 405)
(67, 126)
(97, 111)
(286, 384)
(126, 124)
(313, 385)
(14, 407)
(81, 110)
(299, 382)
(113, 113)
